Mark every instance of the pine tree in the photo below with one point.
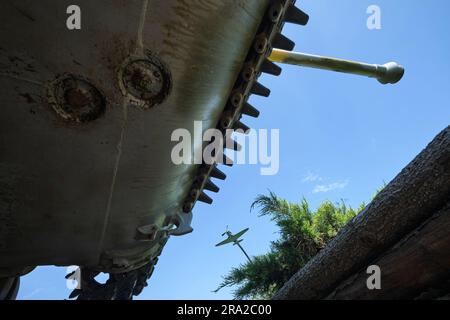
(302, 234)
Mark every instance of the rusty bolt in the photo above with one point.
(76, 99)
(145, 80)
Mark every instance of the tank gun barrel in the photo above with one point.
(389, 73)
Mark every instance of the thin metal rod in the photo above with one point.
(239, 245)
(388, 73)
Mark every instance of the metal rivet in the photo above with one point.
(275, 12)
(145, 80)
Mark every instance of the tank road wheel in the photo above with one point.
(120, 286)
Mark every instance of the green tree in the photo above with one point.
(303, 233)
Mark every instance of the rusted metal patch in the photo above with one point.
(76, 99)
(146, 81)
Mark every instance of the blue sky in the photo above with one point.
(339, 134)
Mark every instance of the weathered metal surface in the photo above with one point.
(85, 171)
(146, 81)
(74, 191)
(75, 99)
(279, 12)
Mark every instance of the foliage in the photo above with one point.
(303, 233)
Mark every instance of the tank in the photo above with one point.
(91, 97)
(87, 114)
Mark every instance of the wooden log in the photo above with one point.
(417, 263)
(419, 191)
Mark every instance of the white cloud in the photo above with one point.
(312, 177)
(330, 187)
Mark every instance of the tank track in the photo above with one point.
(268, 37)
(123, 286)
(120, 286)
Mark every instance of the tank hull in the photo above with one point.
(79, 192)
